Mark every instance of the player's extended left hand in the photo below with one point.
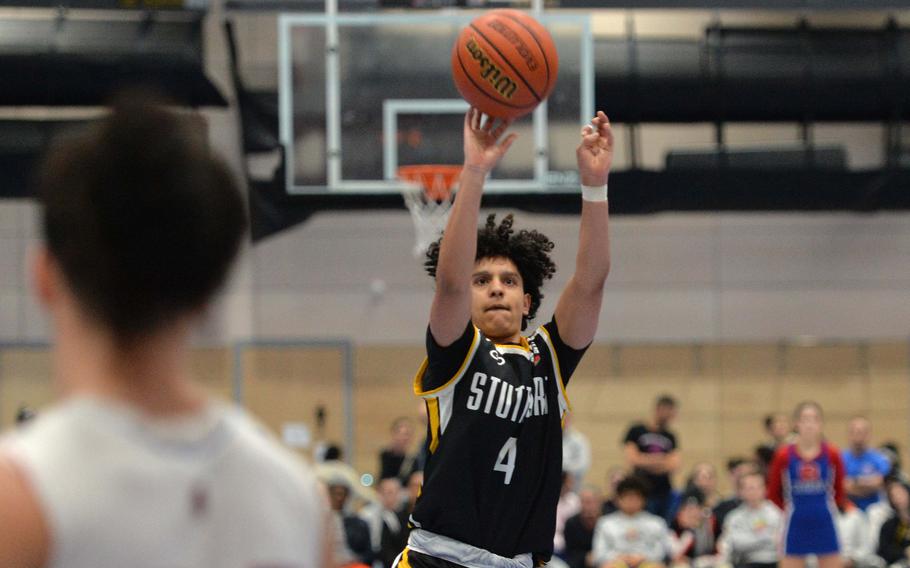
(595, 153)
(483, 142)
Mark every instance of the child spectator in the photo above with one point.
(693, 531)
(631, 537)
(751, 532)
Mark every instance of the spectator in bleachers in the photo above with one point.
(704, 478)
(865, 467)
(763, 456)
(751, 532)
(397, 460)
(631, 537)
(893, 453)
(856, 548)
(693, 531)
(392, 534)
(576, 452)
(579, 529)
(878, 513)
(779, 431)
(894, 538)
(652, 451)
(356, 549)
(413, 491)
(334, 469)
(614, 476)
(737, 468)
(568, 505)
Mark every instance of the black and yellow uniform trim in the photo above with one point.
(418, 378)
(413, 559)
(433, 414)
(402, 560)
(431, 396)
(556, 368)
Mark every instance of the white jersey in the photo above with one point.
(642, 533)
(211, 490)
(752, 535)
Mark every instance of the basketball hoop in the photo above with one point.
(428, 193)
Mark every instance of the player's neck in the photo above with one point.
(514, 339)
(152, 376)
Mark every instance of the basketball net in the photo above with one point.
(429, 193)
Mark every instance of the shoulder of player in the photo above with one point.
(26, 533)
(55, 440)
(259, 451)
(540, 337)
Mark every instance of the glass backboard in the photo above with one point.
(362, 94)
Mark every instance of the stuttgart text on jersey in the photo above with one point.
(492, 395)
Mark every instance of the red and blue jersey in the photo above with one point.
(808, 490)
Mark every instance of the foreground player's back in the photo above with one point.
(208, 490)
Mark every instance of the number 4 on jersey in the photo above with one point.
(506, 460)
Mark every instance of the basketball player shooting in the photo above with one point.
(495, 398)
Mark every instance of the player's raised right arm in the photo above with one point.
(483, 149)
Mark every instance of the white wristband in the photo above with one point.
(598, 193)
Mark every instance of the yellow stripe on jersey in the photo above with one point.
(418, 379)
(403, 560)
(433, 413)
(562, 384)
(522, 345)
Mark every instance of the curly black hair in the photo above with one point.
(529, 250)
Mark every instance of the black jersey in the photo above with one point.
(494, 443)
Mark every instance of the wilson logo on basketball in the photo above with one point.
(520, 46)
(491, 72)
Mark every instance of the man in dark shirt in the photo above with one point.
(357, 546)
(653, 453)
(579, 530)
(397, 460)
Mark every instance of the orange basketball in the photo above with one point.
(505, 63)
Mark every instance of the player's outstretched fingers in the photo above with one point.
(503, 125)
(507, 143)
(477, 120)
(605, 130)
(488, 124)
(589, 136)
